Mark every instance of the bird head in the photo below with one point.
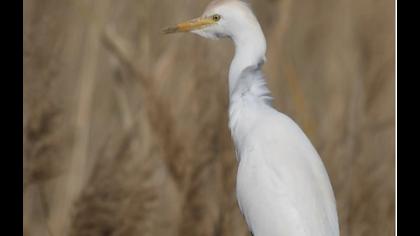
(221, 18)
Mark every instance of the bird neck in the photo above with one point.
(250, 47)
(246, 82)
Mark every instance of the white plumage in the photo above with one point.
(282, 186)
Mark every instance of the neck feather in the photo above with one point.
(250, 49)
(247, 87)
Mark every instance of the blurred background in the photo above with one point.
(125, 129)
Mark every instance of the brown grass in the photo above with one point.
(125, 129)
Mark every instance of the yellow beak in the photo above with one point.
(194, 24)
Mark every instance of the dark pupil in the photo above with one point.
(215, 17)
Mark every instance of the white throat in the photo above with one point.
(250, 47)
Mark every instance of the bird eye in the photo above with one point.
(216, 17)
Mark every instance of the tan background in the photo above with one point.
(125, 129)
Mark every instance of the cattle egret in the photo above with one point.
(282, 186)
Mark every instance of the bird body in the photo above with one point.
(282, 186)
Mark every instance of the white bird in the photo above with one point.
(282, 186)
